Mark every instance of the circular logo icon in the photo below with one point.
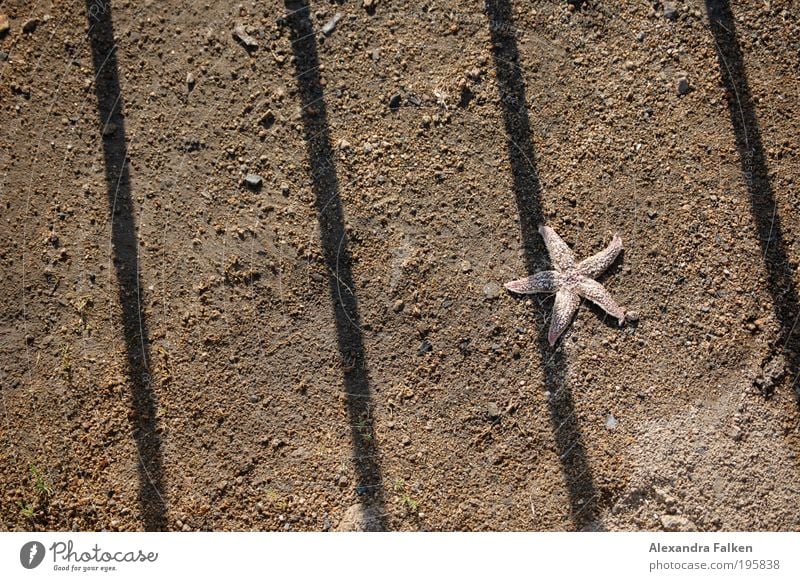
(31, 554)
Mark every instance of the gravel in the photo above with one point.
(330, 25)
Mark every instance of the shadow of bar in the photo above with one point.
(756, 175)
(527, 190)
(126, 263)
(325, 185)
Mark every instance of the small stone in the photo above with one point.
(394, 101)
(253, 181)
(190, 80)
(414, 100)
(491, 290)
(330, 26)
(611, 422)
(30, 25)
(492, 411)
(240, 34)
(466, 266)
(406, 441)
(674, 523)
(369, 4)
(3, 56)
(670, 11)
(652, 214)
(398, 306)
(664, 497)
(5, 26)
(285, 188)
(424, 347)
(640, 36)
(682, 85)
(342, 481)
(631, 316)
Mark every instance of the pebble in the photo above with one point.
(285, 189)
(492, 411)
(631, 316)
(253, 181)
(3, 56)
(670, 11)
(190, 80)
(394, 101)
(369, 4)
(682, 85)
(424, 347)
(330, 26)
(663, 496)
(240, 34)
(675, 523)
(491, 290)
(399, 305)
(611, 422)
(4, 25)
(30, 25)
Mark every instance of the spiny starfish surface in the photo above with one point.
(570, 281)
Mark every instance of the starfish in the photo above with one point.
(570, 282)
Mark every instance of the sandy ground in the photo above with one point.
(331, 348)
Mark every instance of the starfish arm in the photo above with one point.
(595, 292)
(595, 265)
(541, 282)
(560, 254)
(563, 310)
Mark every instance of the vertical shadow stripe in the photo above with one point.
(126, 263)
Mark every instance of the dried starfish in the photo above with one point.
(570, 281)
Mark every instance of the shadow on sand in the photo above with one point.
(756, 175)
(126, 263)
(584, 497)
(325, 185)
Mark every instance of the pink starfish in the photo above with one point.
(570, 282)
